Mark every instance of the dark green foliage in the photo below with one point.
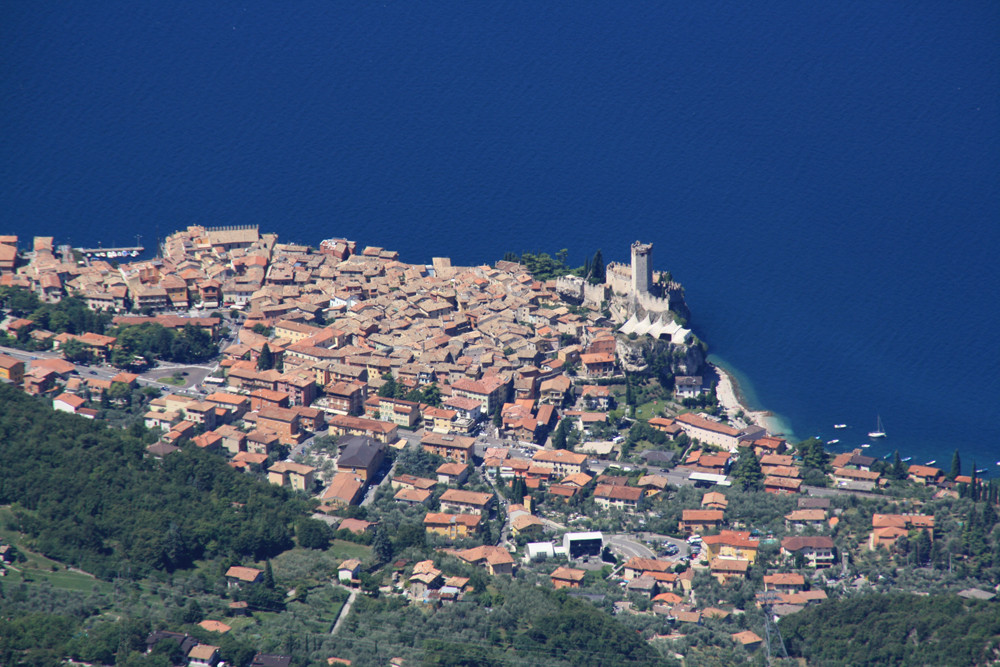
(381, 545)
(641, 431)
(388, 390)
(747, 472)
(595, 273)
(265, 361)
(418, 462)
(268, 575)
(69, 315)
(312, 533)
(561, 434)
(895, 629)
(153, 341)
(77, 352)
(94, 500)
(813, 453)
(498, 415)
(898, 471)
(956, 465)
(438, 653)
(513, 624)
(544, 267)
(259, 596)
(429, 394)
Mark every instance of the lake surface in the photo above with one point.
(822, 177)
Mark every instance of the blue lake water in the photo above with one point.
(822, 177)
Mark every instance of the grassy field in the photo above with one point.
(648, 410)
(344, 549)
(38, 568)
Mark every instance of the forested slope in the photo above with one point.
(89, 497)
(896, 629)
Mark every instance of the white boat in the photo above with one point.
(933, 461)
(832, 442)
(866, 445)
(908, 458)
(840, 425)
(879, 431)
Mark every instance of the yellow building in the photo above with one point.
(11, 369)
(452, 526)
(731, 544)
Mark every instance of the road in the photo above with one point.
(629, 547)
(344, 611)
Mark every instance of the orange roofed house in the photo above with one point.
(466, 502)
(887, 528)
(731, 544)
(489, 391)
(562, 462)
(566, 577)
(694, 521)
(295, 475)
(456, 448)
(617, 496)
(496, 560)
(452, 526)
(714, 433)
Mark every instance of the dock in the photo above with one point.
(129, 251)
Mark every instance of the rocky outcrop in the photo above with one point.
(636, 356)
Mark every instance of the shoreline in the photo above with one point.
(727, 391)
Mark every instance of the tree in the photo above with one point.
(498, 415)
(597, 269)
(312, 534)
(747, 472)
(77, 352)
(265, 361)
(560, 435)
(898, 469)
(432, 395)
(956, 466)
(813, 453)
(381, 546)
(268, 575)
(388, 390)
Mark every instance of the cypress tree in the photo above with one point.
(898, 469)
(747, 471)
(559, 437)
(956, 465)
(597, 269)
(381, 546)
(265, 361)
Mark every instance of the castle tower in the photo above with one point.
(642, 271)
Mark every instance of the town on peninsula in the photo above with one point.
(254, 453)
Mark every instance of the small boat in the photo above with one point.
(840, 425)
(908, 458)
(980, 471)
(832, 442)
(933, 461)
(879, 431)
(866, 445)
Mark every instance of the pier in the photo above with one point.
(130, 251)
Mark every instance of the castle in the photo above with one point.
(648, 301)
(637, 296)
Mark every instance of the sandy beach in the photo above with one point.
(727, 392)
